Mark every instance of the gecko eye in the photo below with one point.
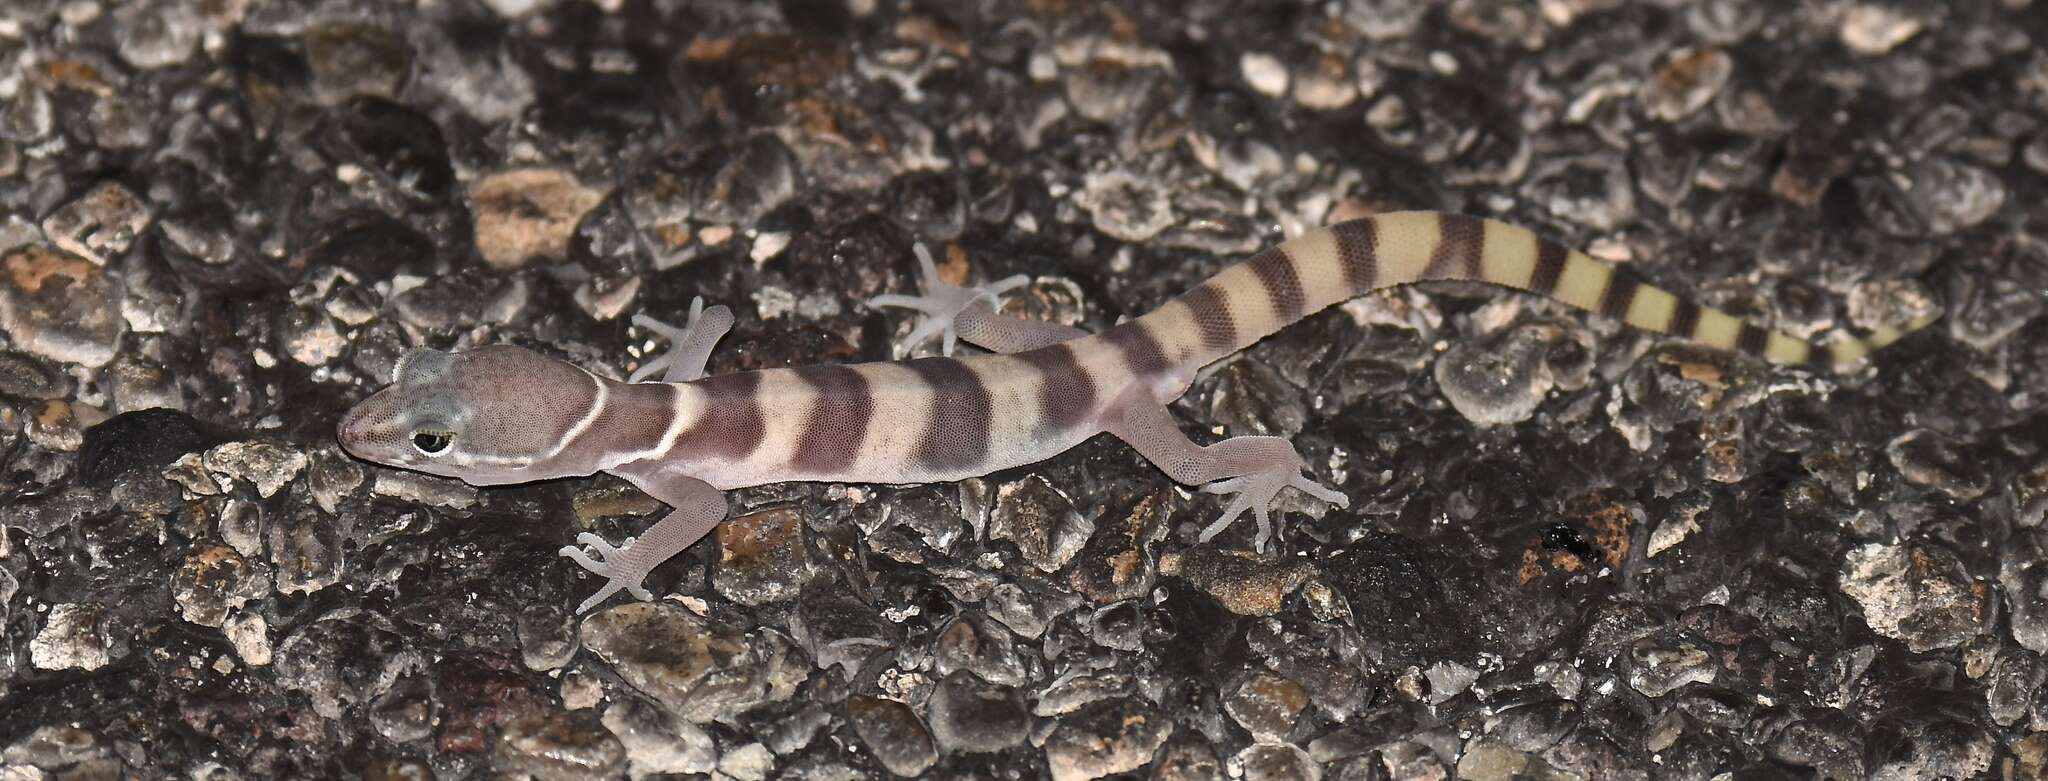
(431, 442)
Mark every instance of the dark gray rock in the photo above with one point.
(657, 741)
(1917, 594)
(762, 557)
(344, 660)
(215, 580)
(547, 637)
(1572, 549)
(893, 733)
(30, 377)
(696, 668)
(59, 306)
(971, 715)
(144, 440)
(1267, 706)
(1108, 737)
(100, 224)
(559, 746)
(837, 628)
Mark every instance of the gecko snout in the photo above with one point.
(368, 430)
(351, 433)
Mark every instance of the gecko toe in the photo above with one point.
(1321, 492)
(664, 330)
(652, 367)
(1238, 504)
(601, 595)
(896, 300)
(924, 332)
(581, 558)
(1230, 486)
(599, 543)
(1263, 518)
(1005, 285)
(926, 269)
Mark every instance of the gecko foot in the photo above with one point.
(688, 346)
(619, 565)
(1256, 492)
(941, 303)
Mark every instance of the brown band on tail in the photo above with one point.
(1620, 295)
(1549, 268)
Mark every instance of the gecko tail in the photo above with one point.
(1849, 352)
(1250, 300)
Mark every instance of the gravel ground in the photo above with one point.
(1572, 551)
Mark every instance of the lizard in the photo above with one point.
(501, 414)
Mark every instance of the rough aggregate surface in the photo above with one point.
(1572, 550)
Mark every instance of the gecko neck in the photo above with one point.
(632, 422)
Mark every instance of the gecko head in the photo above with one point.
(490, 415)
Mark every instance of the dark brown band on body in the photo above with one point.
(732, 426)
(956, 433)
(837, 422)
(1066, 394)
(1209, 305)
(1140, 350)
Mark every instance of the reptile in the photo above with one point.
(502, 414)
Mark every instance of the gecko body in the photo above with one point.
(501, 414)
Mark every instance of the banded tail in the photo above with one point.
(1251, 300)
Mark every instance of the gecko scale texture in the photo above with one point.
(1022, 389)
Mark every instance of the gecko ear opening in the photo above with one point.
(421, 364)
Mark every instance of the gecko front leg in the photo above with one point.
(689, 347)
(696, 510)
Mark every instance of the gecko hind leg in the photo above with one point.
(1252, 469)
(689, 346)
(955, 313)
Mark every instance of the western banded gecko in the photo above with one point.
(502, 414)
